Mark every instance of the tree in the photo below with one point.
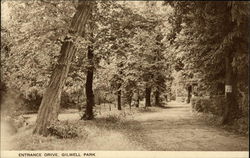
(151, 65)
(35, 47)
(49, 108)
(90, 100)
(206, 34)
(122, 28)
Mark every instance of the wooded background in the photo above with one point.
(79, 54)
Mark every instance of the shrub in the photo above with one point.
(197, 105)
(64, 130)
(218, 102)
(67, 101)
(112, 121)
(241, 125)
(145, 109)
(212, 105)
(33, 98)
(112, 118)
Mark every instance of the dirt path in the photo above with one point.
(175, 129)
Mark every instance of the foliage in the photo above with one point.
(113, 118)
(129, 38)
(134, 46)
(208, 105)
(202, 34)
(64, 130)
(239, 126)
(31, 49)
(34, 45)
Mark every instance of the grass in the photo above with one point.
(110, 130)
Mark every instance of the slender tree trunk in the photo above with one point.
(189, 89)
(119, 93)
(130, 96)
(157, 98)
(231, 106)
(90, 100)
(138, 98)
(50, 105)
(147, 97)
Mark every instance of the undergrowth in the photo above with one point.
(239, 126)
(65, 129)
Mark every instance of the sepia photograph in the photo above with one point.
(124, 79)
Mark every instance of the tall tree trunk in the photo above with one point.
(157, 98)
(189, 90)
(90, 100)
(50, 105)
(231, 106)
(138, 98)
(119, 93)
(147, 97)
(130, 96)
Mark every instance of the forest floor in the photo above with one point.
(172, 128)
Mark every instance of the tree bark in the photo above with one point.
(130, 97)
(157, 98)
(90, 100)
(50, 105)
(189, 89)
(147, 97)
(231, 106)
(138, 98)
(119, 93)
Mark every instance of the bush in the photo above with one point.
(218, 102)
(67, 101)
(64, 130)
(241, 125)
(112, 118)
(212, 105)
(112, 121)
(33, 99)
